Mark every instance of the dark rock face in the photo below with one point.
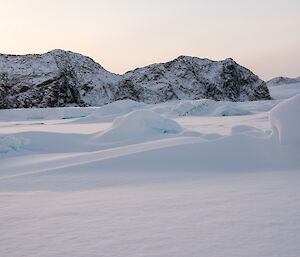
(60, 78)
(58, 91)
(54, 79)
(194, 78)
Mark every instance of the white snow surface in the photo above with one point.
(10, 143)
(285, 121)
(183, 178)
(285, 91)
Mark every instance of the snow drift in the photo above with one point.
(110, 111)
(286, 122)
(206, 107)
(139, 125)
(10, 143)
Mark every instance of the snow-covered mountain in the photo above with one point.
(64, 78)
(278, 81)
(57, 78)
(194, 78)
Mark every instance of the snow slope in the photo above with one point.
(285, 91)
(285, 121)
(279, 81)
(182, 178)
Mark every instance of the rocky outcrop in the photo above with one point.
(194, 78)
(61, 78)
(57, 78)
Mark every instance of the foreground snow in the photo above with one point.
(187, 178)
(245, 214)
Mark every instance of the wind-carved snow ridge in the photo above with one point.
(285, 121)
(63, 78)
(206, 107)
(140, 125)
(110, 111)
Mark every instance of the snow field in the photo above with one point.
(187, 178)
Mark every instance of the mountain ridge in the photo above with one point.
(64, 78)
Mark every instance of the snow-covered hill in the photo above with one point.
(279, 81)
(61, 78)
(57, 78)
(194, 78)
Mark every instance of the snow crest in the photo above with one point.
(141, 125)
(285, 121)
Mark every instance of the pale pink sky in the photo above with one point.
(125, 34)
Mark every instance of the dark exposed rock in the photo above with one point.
(194, 78)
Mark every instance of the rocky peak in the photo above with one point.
(194, 78)
(56, 78)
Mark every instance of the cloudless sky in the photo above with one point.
(263, 35)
